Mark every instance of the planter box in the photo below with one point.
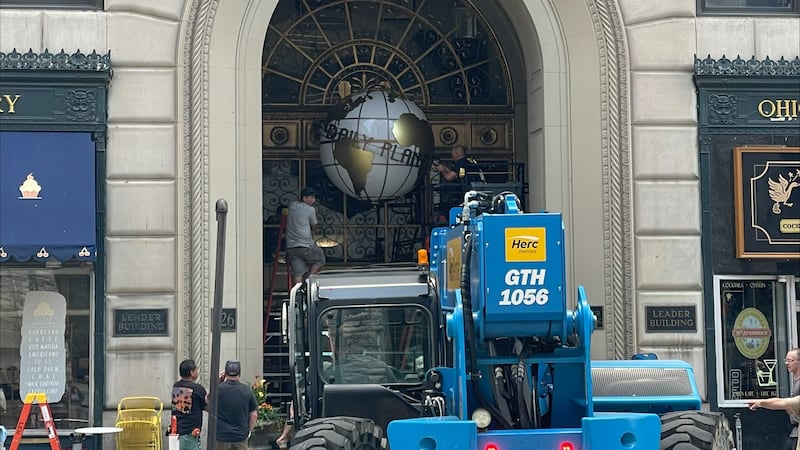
(264, 439)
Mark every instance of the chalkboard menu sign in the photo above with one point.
(767, 195)
(141, 322)
(42, 350)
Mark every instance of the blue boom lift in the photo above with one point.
(477, 350)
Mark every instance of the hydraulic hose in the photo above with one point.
(469, 331)
(523, 394)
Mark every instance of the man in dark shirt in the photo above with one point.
(189, 399)
(465, 170)
(236, 411)
(456, 180)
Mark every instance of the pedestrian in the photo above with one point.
(302, 253)
(189, 400)
(458, 179)
(288, 428)
(792, 361)
(465, 170)
(236, 410)
(789, 404)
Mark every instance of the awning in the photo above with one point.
(47, 196)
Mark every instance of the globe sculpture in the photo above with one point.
(376, 146)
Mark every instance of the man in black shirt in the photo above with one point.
(189, 399)
(456, 180)
(236, 411)
(465, 170)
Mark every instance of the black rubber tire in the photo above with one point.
(695, 430)
(339, 433)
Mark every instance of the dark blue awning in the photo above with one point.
(47, 196)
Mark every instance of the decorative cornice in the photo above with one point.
(615, 123)
(93, 62)
(749, 68)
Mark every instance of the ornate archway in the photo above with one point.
(443, 55)
(237, 138)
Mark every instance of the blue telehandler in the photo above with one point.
(474, 348)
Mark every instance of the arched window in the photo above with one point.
(442, 54)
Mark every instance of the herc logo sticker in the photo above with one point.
(525, 244)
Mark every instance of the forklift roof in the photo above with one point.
(380, 282)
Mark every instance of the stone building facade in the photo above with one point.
(610, 137)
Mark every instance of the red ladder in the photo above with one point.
(275, 262)
(44, 407)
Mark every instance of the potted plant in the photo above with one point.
(268, 423)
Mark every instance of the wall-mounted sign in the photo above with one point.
(8, 103)
(729, 107)
(598, 314)
(42, 352)
(141, 322)
(778, 109)
(46, 91)
(669, 319)
(228, 320)
(767, 197)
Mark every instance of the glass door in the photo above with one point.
(756, 324)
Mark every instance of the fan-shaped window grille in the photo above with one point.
(441, 54)
(435, 52)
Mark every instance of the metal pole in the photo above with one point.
(216, 321)
(738, 432)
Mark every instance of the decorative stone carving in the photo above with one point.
(617, 205)
(80, 105)
(722, 109)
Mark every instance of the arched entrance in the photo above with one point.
(443, 55)
(575, 143)
(458, 65)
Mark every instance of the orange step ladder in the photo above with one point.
(275, 263)
(47, 416)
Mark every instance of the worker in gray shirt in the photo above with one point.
(302, 253)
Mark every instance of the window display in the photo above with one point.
(45, 347)
(753, 340)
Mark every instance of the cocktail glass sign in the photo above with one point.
(42, 349)
(767, 197)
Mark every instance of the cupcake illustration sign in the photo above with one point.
(42, 350)
(30, 188)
